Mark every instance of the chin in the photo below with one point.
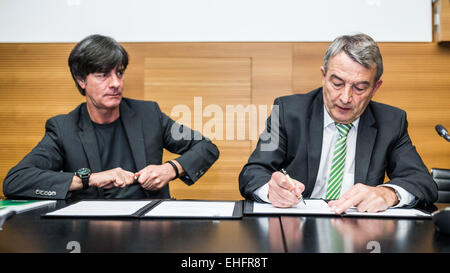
(343, 120)
(113, 103)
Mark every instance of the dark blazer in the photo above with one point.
(383, 145)
(70, 143)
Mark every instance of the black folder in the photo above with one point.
(141, 209)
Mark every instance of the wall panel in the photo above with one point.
(196, 85)
(35, 84)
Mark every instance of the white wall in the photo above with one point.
(214, 20)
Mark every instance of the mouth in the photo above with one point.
(343, 109)
(114, 95)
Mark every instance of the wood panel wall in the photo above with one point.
(35, 84)
(442, 9)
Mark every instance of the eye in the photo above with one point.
(338, 84)
(101, 75)
(360, 88)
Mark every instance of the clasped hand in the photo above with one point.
(152, 177)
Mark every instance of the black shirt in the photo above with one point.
(115, 151)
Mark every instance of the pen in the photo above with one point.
(136, 178)
(292, 184)
(135, 181)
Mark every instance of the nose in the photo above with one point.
(114, 81)
(346, 95)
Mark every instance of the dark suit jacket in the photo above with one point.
(383, 145)
(70, 143)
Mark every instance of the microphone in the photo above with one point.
(442, 132)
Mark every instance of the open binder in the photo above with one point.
(139, 209)
(319, 207)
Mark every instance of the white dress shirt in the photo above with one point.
(330, 136)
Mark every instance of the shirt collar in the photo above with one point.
(327, 120)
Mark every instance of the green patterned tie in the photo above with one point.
(338, 163)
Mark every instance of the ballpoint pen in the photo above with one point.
(293, 185)
(136, 180)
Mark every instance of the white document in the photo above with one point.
(192, 209)
(312, 207)
(320, 207)
(100, 208)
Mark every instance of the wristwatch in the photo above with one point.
(84, 174)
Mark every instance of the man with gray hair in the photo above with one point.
(337, 144)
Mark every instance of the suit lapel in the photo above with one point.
(89, 140)
(314, 142)
(134, 132)
(367, 133)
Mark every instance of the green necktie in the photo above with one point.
(338, 163)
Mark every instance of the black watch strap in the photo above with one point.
(84, 174)
(85, 181)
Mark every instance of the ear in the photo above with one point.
(82, 83)
(377, 85)
(322, 69)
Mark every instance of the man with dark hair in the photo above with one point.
(109, 146)
(337, 144)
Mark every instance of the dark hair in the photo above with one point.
(96, 53)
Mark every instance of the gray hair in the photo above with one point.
(361, 48)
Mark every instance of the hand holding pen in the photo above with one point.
(300, 197)
(284, 192)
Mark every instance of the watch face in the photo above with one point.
(83, 172)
